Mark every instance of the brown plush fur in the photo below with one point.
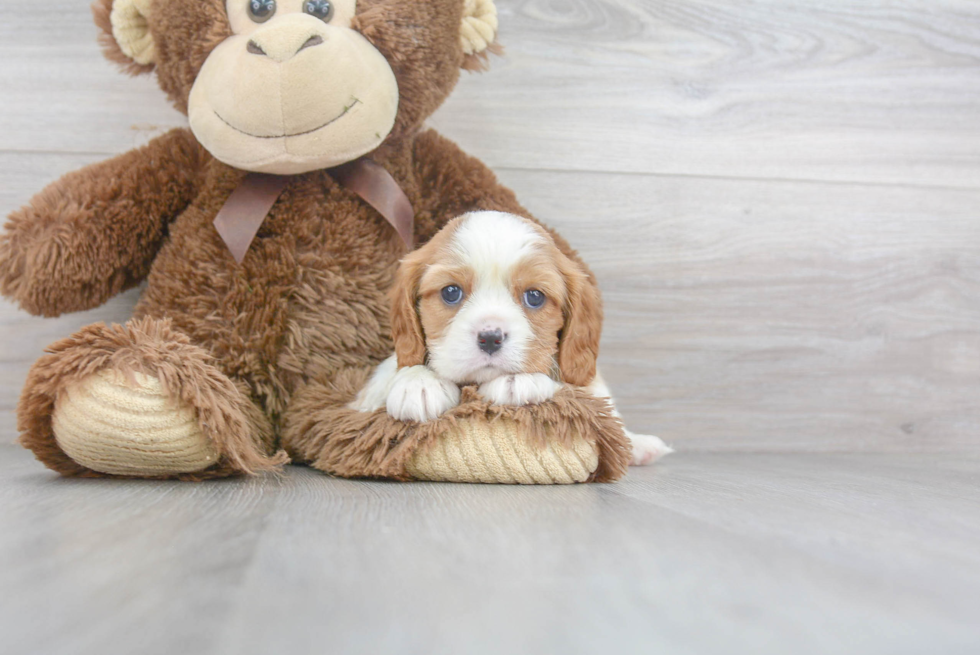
(95, 232)
(309, 300)
(239, 431)
(324, 433)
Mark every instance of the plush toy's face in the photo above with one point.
(289, 86)
(293, 89)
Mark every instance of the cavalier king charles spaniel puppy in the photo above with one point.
(490, 300)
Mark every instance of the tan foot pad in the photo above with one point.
(129, 427)
(498, 451)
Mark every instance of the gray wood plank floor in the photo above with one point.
(704, 553)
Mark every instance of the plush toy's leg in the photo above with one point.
(140, 400)
(322, 429)
(571, 437)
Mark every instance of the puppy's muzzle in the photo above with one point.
(490, 341)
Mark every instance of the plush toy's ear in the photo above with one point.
(406, 326)
(126, 37)
(477, 33)
(578, 347)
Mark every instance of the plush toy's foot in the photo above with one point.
(129, 427)
(572, 437)
(140, 400)
(498, 451)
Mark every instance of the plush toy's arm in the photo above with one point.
(94, 232)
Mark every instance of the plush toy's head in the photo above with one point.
(289, 86)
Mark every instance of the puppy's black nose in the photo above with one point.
(490, 340)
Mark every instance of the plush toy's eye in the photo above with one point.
(533, 298)
(261, 10)
(452, 294)
(321, 9)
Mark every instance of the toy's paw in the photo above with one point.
(520, 389)
(647, 449)
(418, 395)
(122, 426)
(499, 451)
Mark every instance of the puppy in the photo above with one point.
(490, 300)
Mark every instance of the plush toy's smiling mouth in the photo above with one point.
(282, 136)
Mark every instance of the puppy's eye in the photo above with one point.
(261, 10)
(533, 298)
(452, 294)
(321, 9)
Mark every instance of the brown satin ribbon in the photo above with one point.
(239, 219)
(378, 188)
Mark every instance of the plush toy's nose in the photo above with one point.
(282, 45)
(490, 341)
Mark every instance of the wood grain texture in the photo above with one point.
(843, 90)
(705, 553)
(764, 315)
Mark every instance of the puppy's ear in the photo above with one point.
(578, 347)
(406, 326)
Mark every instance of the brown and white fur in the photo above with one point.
(493, 335)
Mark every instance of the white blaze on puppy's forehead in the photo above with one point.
(492, 243)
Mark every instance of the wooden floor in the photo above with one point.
(781, 201)
(705, 553)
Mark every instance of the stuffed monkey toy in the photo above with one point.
(267, 235)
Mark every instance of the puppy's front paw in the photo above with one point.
(647, 449)
(520, 389)
(418, 395)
